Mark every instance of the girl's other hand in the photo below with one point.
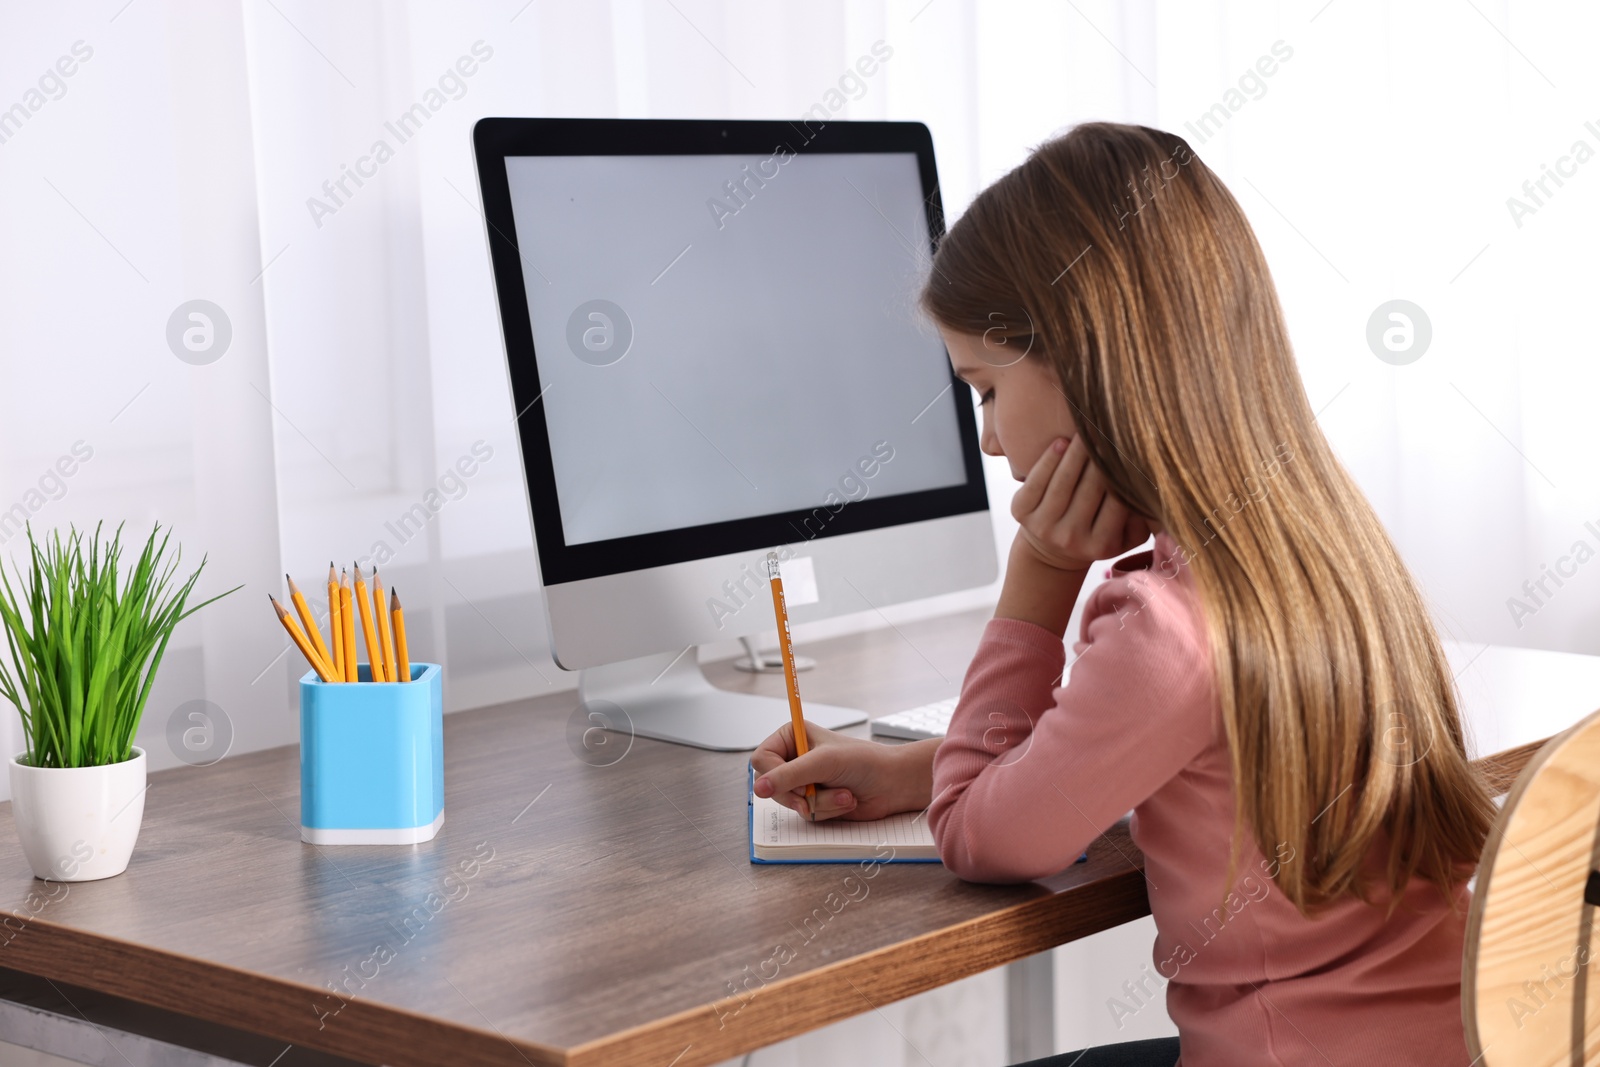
(855, 779)
(1069, 516)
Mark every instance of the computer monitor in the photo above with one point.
(714, 351)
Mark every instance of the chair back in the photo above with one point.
(1529, 997)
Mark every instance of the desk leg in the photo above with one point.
(1031, 1008)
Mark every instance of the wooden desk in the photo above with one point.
(611, 915)
(606, 915)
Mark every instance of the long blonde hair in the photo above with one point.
(1116, 255)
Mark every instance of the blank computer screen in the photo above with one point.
(726, 336)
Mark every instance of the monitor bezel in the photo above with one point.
(494, 139)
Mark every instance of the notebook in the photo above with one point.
(780, 835)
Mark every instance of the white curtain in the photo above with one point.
(156, 153)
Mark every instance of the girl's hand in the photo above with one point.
(855, 779)
(1068, 514)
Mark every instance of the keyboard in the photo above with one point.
(917, 724)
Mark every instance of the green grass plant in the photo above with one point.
(84, 646)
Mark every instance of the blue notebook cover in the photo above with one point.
(750, 820)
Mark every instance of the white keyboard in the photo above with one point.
(917, 724)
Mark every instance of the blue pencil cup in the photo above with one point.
(372, 759)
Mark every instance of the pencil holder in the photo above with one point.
(372, 759)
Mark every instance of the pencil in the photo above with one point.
(786, 646)
(380, 618)
(335, 624)
(364, 606)
(402, 656)
(309, 620)
(347, 615)
(301, 641)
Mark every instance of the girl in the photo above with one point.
(1263, 688)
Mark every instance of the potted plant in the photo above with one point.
(83, 649)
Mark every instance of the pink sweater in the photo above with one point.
(1031, 772)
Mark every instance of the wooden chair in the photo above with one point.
(1528, 998)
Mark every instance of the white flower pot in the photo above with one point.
(78, 823)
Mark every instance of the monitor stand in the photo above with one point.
(668, 697)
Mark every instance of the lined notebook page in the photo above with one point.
(781, 834)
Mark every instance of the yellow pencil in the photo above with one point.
(402, 656)
(786, 646)
(335, 624)
(364, 607)
(385, 637)
(309, 620)
(347, 615)
(300, 640)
